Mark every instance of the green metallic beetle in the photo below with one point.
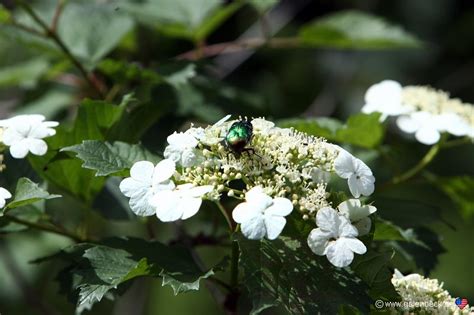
(239, 136)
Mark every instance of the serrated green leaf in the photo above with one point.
(28, 192)
(99, 268)
(387, 231)
(106, 158)
(356, 30)
(285, 272)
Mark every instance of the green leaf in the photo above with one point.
(356, 30)
(362, 130)
(93, 40)
(460, 189)
(27, 192)
(106, 158)
(321, 127)
(99, 268)
(372, 267)
(25, 74)
(124, 72)
(193, 20)
(5, 15)
(285, 272)
(387, 231)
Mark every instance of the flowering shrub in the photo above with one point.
(121, 171)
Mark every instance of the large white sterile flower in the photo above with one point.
(357, 214)
(260, 215)
(24, 133)
(144, 182)
(4, 194)
(180, 203)
(386, 98)
(182, 149)
(335, 238)
(358, 174)
(424, 125)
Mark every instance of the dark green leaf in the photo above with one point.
(285, 272)
(461, 191)
(27, 193)
(387, 231)
(356, 30)
(97, 269)
(321, 127)
(362, 130)
(106, 158)
(25, 74)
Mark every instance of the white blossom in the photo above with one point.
(182, 149)
(357, 214)
(180, 203)
(24, 133)
(144, 182)
(424, 125)
(358, 174)
(386, 98)
(335, 238)
(4, 194)
(261, 215)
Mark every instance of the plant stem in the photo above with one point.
(226, 215)
(239, 45)
(51, 33)
(453, 143)
(44, 227)
(429, 156)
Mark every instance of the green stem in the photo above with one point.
(226, 215)
(49, 32)
(44, 228)
(454, 143)
(234, 265)
(429, 156)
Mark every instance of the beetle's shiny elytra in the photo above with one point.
(239, 135)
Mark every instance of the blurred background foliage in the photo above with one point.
(198, 60)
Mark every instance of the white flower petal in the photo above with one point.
(343, 164)
(172, 153)
(243, 212)
(37, 146)
(274, 225)
(353, 209)
(328, 220)
(142, 171)
(427, 135)
(200, 191)
(167, 205)
(11, 136)
(254, 228)
(222, 120)
(189, 206)
(19, 149)
(407, 124)
(341, 252)
(129, 186)
(361, 185)
(318, 241)
(280, 207)
(140, 202)
(4, 194)
(363, 226)
(346, 229)
(163, 171)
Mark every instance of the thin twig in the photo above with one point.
(50, 33)
(57, 14)
(46, 228)
(226, 216)
(239, 45)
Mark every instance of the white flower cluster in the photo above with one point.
(281, 170)
(422, 295)
(421, 110)
(23, 134)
